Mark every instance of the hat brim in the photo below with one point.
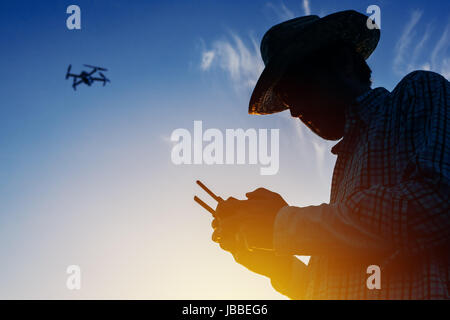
(349, 26)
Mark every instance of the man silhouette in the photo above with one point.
(389, 203)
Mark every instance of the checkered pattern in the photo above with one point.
(389, 203)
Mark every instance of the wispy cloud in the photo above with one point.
(319, 150)
(405, 40)
(419, 47)
(440, 56)
(282, 12)
(207, 59)
(445, 68)
(306, 7)
(239, 59)
(410, 51)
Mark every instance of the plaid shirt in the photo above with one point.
(389, 203)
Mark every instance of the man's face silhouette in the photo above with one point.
(318, 89)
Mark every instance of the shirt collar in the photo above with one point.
(363, 107)
(360, 112)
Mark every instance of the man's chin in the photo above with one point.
(327, 134)
(330, 136)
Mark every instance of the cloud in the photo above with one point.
(306, 7)
(240, 60)
(283, 13)
(207, 59)
(441, 46)
(445, 68)
(405, 40)
(418, 49)
(319, 150)
(411, 46)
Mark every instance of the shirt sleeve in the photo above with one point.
(411, 216)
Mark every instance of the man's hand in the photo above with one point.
(250, 221)
(263, 262)
(243, 226)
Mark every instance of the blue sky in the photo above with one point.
(86, 176)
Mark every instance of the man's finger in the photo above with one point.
(232, 223)
(216, 236)
(260, 193)
(225, 208)
(231, 207)
(227, 244)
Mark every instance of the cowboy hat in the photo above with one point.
(298, 37)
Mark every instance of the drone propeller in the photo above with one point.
(105, 80)
(94, 67)
(68, 71)
(103, 76)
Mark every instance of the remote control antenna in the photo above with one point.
(204, 205)
(217, 198)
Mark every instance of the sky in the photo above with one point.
(86, 176)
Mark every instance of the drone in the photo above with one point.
(87, 77)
